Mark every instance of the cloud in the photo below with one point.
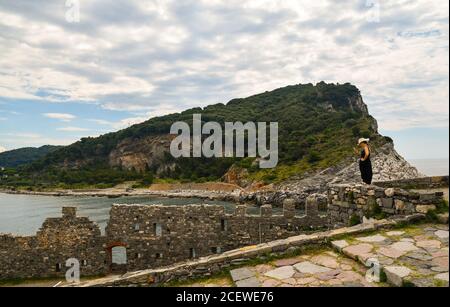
(154, 57)
(2, 149)
(72, 129)
(60, 116)
(26, 139)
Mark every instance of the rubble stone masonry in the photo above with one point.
(153, 236)
(156, 235)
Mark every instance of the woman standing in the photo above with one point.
(365, 166)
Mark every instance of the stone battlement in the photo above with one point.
(152, 236)
(142, 237)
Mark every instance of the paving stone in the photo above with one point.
(395, 274)
(391, 252)
(349, 276)
(439, 269)
(339, 244)
(443, 252)
(290, 281)
(332, 254)
(404, 246)
(354, 251)
(441, 262)
(252, 282)
(311, 268)
(270, 283)
(335, 282)
(372, 239)
(328, 275)
(286, 262)
(263, 268)
(305, 281)
(242, 273)
(363, 258)
(281, 272)
(345, 267)
(422, 282)
(442, 276)
(425, 271)
(301, 275)
(385, 260)
(429, 244)
(419, 256)
(442, 234)
(421, 238)
(325, 260)
(395, 233)
(407, 240)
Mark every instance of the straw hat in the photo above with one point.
(362, 140)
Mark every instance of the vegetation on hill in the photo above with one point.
(318, 126)
(22, 156)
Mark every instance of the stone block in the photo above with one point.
(387, 202)
(425, 208)
(396, 274)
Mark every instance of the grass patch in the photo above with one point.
(354, 220)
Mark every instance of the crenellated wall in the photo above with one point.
(155, 235)
(160, 235)
(152, 236)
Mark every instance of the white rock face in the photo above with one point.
(387, 165)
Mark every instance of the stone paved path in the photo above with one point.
(324, 268)
(415, 255)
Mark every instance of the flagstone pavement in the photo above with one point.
(412, 256)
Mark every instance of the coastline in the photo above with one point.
(121, 192)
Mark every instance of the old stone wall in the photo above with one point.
(153, 236)
(45, 254)
(157, 235)
(214, 264)
(353, 201)
(416, 183)
(161, 235)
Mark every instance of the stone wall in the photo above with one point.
(157, 235)
(45, 254)
(351, 201)
(153, 236)
(416, 183)
(213, 264)
(160, 235)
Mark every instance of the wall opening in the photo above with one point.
(117, 257)
(223, 225)
(192, 253)
(216, 250)
(157, 229)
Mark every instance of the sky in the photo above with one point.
(70, 69)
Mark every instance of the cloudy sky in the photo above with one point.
(125, 61)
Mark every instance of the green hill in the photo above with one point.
(318, 126)
(26, 155)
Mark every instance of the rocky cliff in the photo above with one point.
(318, 128)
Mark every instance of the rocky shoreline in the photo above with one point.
(117, 193)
